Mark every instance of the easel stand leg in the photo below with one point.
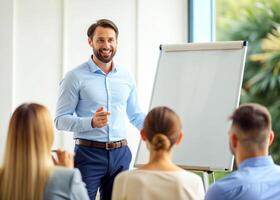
(205, 179)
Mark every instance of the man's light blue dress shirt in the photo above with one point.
(85, 89)
(257, 178)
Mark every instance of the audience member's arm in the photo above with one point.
(64, 159)
(78, 189)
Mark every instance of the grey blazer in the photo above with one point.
(65, 184)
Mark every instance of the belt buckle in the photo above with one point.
(107, 146)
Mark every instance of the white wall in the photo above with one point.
(6, 67)
(45, 39)
(38, 51)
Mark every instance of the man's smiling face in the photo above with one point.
(104, 44)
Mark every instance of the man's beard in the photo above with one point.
(104, 59)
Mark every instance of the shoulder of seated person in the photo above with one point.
(125, 174)
(63, 171)
(61, 168)
(61, 176)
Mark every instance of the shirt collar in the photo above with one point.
(256, 162)
(95, 69)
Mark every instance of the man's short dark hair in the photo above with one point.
(253, 122)
(105, 23)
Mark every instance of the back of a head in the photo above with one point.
(27, 154)
(252, 123)
(162, 127)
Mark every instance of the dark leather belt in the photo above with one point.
(102, 145)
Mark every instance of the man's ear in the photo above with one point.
(180, 137)
(143, 135)
(270, 137)
(233, 139)
(90, 41)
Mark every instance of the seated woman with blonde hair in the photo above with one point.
(28, 171)
(160, 178)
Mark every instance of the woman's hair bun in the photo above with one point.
(160, 142)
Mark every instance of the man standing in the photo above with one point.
(93, 102)
(257, 176)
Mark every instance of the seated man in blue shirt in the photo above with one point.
(94, 102)
(257, 176)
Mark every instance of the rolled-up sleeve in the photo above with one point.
(68, 98)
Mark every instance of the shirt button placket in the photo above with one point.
(108, 106)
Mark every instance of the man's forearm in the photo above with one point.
(73, 123)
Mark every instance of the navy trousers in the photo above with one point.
(99, 168)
